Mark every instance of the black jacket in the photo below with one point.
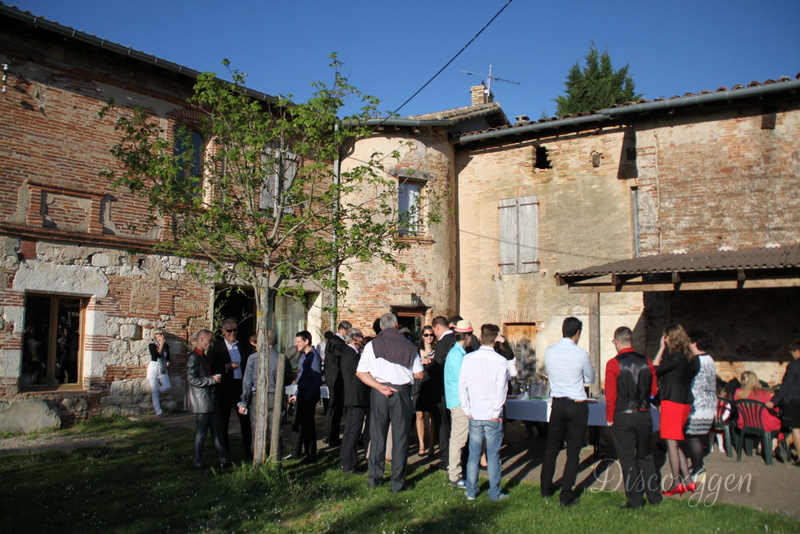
(219, 356)
(675, 378)
(436, 368)
(790, 385)
(356, 392)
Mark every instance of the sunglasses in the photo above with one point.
(427, 335)
(231, 330)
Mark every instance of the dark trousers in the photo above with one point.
(632, 433)
(441, 427)
(567, 420)
(354, 422)
(399, 411)
(228, 397)
(335, 409)
(303, 426)
(204, 422)
(253, 414)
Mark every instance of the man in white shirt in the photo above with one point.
(482, 389)
(568, 368)
(389, 365)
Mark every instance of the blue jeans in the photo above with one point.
(492, 431)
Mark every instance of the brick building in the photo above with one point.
(684, 209)
(78, 300)
(550, 215)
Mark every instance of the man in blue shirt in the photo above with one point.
(568, 368)
(459, 426)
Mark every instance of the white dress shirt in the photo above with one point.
(483, 384)
(236, 357)
(568, 368)
(385, 371)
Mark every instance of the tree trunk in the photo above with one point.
(277, 409)
(264, 301)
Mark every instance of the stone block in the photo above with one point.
(130, 331)
(28, 415)
(101, 260)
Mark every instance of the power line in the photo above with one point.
(454, 57)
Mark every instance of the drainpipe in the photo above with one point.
(335, 271)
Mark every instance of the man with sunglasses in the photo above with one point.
(228, 361)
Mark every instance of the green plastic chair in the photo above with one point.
(751, 412)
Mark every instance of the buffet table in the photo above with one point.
(539, 410)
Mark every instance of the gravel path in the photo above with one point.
(51, 442)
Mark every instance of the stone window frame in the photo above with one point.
(52, 383)
(419, 179)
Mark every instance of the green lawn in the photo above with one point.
(145, 484)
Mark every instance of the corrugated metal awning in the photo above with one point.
(707, 269)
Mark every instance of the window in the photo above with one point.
(542, 160)
(189, 151)
(52, 341)
(282, 167)
(408, 207)
(519, 235)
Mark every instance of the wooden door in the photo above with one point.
(522, 338)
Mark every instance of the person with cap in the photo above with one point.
(389, 365)
(459, 422)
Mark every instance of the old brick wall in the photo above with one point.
(64, 231)
(708, 181)
(430, 273)
(584, 219)
(724, 180)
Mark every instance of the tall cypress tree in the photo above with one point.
(595, 86)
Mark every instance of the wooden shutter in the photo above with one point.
(528, 217)
(508, 236)
(519, 235)
(269, 189)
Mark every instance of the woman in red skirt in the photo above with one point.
(675, 369)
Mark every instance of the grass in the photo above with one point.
(144, 484)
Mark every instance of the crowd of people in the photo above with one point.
(451, 388)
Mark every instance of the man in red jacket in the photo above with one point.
(630, 382)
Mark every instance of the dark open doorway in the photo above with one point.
(239, 303)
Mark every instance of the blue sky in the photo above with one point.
(391, 48)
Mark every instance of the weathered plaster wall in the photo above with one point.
(584, 219)
(721, 180)
(430, 272)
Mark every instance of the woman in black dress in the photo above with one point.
(420, 393)
(675, 369)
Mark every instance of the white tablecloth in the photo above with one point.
(539, 410)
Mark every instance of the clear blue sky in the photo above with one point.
(391, 48)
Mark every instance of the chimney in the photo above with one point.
(480, 95)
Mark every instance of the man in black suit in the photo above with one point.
(441, 415)
(228, 361)
(356, 402)
(333, 378)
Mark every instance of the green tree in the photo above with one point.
(259, 199)
(595, 86)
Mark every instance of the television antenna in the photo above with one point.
(490, 77)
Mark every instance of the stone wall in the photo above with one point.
(128, 296)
